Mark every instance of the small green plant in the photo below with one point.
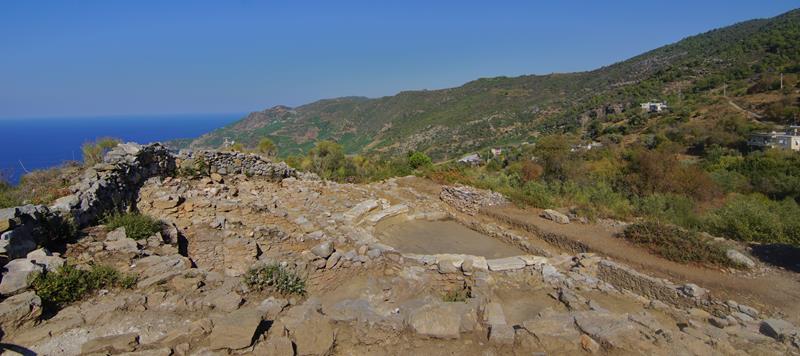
(137, 226)
(192, 168)
(267, 147)
(459, 295)
(68, 283)
(277, 278)
(676, 244)
(93, 152)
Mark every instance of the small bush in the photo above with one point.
(671, 208)
(192, 168)
(277, 278)
(676, 244)
(418, 159)
(137, 226)
(39, 186)
(93, 152)
(459, 295)
(68, 283)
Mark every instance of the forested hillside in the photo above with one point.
(745, 58)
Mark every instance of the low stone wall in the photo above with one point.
(225, 163)
(623, 277)
(554, 239)
(114, 183)
(470, 200)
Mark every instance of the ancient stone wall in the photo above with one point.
(225, 163)
(113, 185)
(470, 200)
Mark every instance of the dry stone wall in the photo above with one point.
(113, 185)
(225, 163)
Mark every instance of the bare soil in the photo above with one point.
(434, 237)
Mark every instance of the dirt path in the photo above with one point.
(772, 289)
(749, 113)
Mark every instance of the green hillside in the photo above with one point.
(499, 111)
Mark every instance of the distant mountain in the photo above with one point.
(502, 110)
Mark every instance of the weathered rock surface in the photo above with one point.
(234, 330)
(17, 275)
(436, 320)
(19, 310)
(553, 215)
(112, 344)
(739, 258)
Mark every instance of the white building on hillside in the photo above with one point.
(654, 106)
(788, 140)
(472, 160)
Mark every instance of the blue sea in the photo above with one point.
(35, 143)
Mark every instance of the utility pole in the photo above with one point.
(781, 81)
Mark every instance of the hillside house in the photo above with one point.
(789, 139)
(586, 146)
(654, 106)
(472, 160)
(496, 152)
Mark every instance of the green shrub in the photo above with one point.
(192, 168)
(754, 217)
(418, 159)
(68, 283)
(267, 147)
(537, 195)
(675, 243)
(673, 208)
(137, 226)
(275, 277)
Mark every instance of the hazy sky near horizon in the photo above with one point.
(86, 58)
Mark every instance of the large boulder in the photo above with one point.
(312, 332)
(553, 215)
(17, 275)
(739, 258)
(234, 330)
(43, 257)
(323, 250)
(19, 310)
(778, 329)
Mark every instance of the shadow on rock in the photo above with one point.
(779, 255)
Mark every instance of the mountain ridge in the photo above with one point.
(503, 110)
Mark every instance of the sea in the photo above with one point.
(36, 143)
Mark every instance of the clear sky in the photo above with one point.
(73, 58)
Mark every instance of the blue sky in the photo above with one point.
(73, 58)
